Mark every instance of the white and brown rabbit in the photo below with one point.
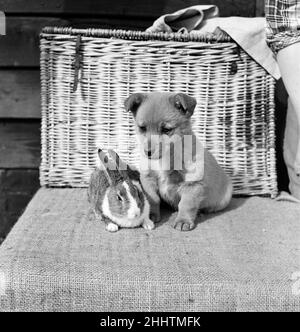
(116, 195)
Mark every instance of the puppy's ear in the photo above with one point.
(184, 103)
(133, 102)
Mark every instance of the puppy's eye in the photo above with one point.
(142, 129)
(166, 131)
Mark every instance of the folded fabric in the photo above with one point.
(286, 197)
(248, 33)
(189, 18)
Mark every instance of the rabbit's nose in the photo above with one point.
(136, 213)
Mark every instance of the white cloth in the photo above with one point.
(248, 33)
(291, 149)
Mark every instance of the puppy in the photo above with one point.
(175, 167)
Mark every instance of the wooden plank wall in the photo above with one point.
(19, 75)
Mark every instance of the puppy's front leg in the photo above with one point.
(190, 202)
(149, 183)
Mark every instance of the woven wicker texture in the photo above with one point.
(234, 116)
(58, 257)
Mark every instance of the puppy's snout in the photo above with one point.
(149, 149)
(152, 147)
(149, 153)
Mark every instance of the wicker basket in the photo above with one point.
(87, 73)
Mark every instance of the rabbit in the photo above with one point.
(116, 195)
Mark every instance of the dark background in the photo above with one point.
(19, 76)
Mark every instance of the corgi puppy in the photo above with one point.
(175, 167)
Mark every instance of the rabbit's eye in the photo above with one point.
(120, 198)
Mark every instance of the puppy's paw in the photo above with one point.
(172, 218)
(111, 227)
(148, 225)
(183, 225)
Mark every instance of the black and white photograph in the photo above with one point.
(150, 159)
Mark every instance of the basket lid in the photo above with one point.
(139, 35)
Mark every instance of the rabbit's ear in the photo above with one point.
(102, 156)
(112, 172)
(120, 164)
(125, 170)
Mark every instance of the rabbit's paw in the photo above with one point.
(111, 227)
